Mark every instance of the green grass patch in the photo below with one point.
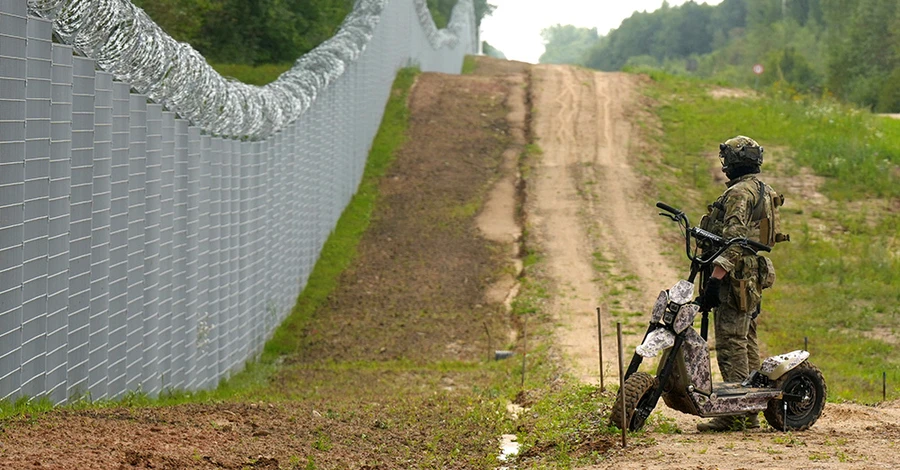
(563, 427)
(469, 65)
(839, 279)
(859, 152)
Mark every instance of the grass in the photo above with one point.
(563, 427)
(839, 279)
(469, 65)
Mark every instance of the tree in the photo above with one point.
(670, 32)
(862, 52)
(567, 44)
(264, 31)
(482, 9)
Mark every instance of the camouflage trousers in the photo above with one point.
(737, 349)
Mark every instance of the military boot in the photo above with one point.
(718, 424)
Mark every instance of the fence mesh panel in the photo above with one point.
(158, 221)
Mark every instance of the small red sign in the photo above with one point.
(758, 69)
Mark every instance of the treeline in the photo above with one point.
(257, 32)
(249, 31)
(848, 48)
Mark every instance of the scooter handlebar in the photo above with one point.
(759, 246)
(668, 208)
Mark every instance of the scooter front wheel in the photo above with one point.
(637, 391)
(805, 392)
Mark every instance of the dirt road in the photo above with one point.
(588, 206)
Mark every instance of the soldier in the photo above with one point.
(748, 208)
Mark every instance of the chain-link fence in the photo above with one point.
(142, 251)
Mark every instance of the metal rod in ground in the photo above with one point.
(524, 347)
(622, 383)
(600, 347)
(490, 343)
(884, 386)
(806, 343)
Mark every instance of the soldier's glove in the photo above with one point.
(709, 299)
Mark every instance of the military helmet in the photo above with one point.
(740, 151)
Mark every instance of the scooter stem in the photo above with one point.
(704, 325)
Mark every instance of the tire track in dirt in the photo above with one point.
(586, 201)
(554, 206)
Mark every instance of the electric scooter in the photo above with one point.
(788, 389)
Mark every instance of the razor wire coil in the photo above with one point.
(127, 43)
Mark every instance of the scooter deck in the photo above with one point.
(724, 389)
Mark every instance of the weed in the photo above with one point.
(323, 442)
(663, 424)
(24, 407)
(788, 440)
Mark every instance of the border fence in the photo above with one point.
(156, 223)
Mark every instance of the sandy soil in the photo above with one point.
(587, 198)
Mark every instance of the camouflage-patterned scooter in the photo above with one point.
(788, 389)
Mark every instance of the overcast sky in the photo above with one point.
(515, 27)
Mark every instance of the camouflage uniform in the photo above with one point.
(747, 209)
(731, 216)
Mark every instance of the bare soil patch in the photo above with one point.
(422, 267)
(732, 93)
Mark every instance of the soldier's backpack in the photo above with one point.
(766, 212)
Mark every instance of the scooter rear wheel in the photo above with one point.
(638, 389)
(806, 382)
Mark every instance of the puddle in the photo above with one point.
(508, 448)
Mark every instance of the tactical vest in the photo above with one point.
(765, 213)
